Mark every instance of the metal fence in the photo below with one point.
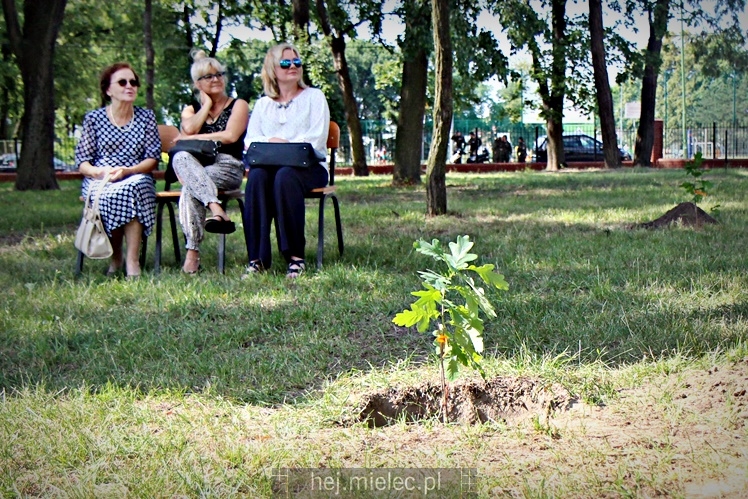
(713, 141)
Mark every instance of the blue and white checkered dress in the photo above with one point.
(103, 144)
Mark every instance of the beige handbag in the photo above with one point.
(91, 238)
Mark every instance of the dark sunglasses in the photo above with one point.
(133, 83)
(286, 63)
(211, 76)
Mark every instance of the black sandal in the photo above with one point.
(253, 268)
(295, 268)
(218, 225)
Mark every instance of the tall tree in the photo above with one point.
(527, 29)
(34, 50)
(436, 186)
(692, 13)
(602, 86)
(657, 18)
(415, 46)
(150, 68)
(336, 34)
(301, 19)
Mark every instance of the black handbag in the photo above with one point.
(296, 154)
(205, 151)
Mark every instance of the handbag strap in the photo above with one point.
(99, 189)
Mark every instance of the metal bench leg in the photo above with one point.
(159, 232)
(321, 232)
(79, 263)
(338, 223)
(174, 235)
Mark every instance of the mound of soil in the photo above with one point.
(687, 214)
(471, 401)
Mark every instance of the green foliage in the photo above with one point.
(458, 335)
(699, 188)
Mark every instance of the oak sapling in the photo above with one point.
(450, 307)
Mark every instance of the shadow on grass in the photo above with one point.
(576, 286)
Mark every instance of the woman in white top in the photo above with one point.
(289, 112)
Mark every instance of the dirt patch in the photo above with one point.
(498, 399)
(674, 434)
(686, 214)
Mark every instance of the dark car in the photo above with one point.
(9, 162)
(577, 148)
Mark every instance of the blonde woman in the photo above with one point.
(288, 112)
(217, 117)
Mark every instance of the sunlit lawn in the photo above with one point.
(181, 385)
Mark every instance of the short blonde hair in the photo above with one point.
(272, 58)
(203, 65)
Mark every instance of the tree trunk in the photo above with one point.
(415, 46)
(34, 48)
(301, 19)
(552, 96)
(337, 43)
(602, 87)
(409, 135)
(436, 186)
(187, 26)
(219, 27)
(149, 54)
(645, 132)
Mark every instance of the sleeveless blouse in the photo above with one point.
(235, 149)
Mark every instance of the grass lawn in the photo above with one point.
(201, 386)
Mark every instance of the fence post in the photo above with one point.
(714, 140)
(726, 148)
(657, 147)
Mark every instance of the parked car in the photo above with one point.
(577, 147)
(9, 162)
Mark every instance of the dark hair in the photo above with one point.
(105, 80)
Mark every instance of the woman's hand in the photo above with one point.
(103, 171)
(119, 173)
(277, 139)
(205, 100)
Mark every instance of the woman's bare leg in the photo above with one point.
(133, 237)
(116, 261)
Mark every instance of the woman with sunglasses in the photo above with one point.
(217, 117)
(120, 140)
(288, 112)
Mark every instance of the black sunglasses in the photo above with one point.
(286, 63)
(133, 83)
(211, 76)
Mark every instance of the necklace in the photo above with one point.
(212, 119)
(126, 127)
(284, 105)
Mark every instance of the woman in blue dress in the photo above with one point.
(121, 140)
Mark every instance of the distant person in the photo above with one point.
(506, 148)
(473, 143)
(495, 149)
(521, 150)
(502, 149)
(459, 147)
(121, 140)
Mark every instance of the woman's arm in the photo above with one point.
(319, 122)
(192, 121)
(235, 128)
